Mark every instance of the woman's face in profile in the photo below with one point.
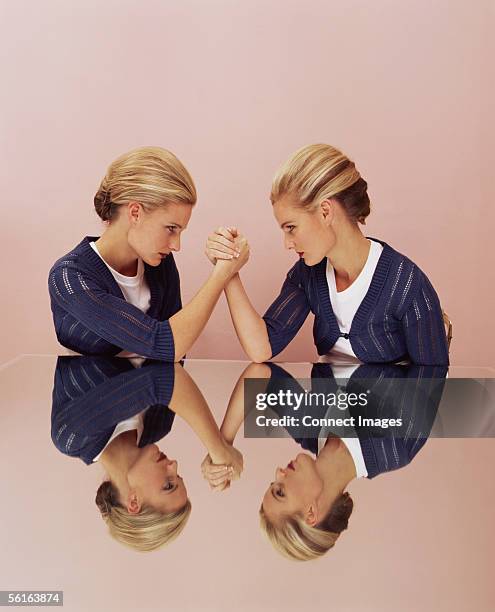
(155, 234)
(294, 489)
(304, 232)
(154, 476)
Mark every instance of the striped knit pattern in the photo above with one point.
(92, 317)
(415, 402)
(91, 395)
(399, 318)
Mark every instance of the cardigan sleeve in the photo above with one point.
(423, 327)
(288, 312)
(110, 317)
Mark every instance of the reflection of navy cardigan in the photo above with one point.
(92, 317)
(400, 316)
(416, 402)
(91, 395)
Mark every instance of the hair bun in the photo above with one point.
(103, 204)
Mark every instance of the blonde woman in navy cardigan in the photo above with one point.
(371, 303)
(120, 293)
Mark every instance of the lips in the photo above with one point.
(300, 253)
(290, 466)
(162, 456)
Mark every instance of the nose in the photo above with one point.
(280, 473)
(172, 466)
(288, 242)
(175, 243)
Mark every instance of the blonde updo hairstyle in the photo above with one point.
(151, 176)
(321, 172)
(293, 538)
(143, 532)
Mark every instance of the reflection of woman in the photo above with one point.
(121, 291)
(306, 507)
(370, 303)
(105, 410)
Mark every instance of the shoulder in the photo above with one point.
(405, 279)
(76, 257)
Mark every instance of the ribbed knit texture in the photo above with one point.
(399, 318)
(416, 403)
(91, 395)
(92, 317)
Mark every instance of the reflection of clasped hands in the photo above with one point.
(226, 247)
(221, 467)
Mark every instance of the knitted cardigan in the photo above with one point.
(92, 317)
(91, 395)
(412, 393)
(399, 318)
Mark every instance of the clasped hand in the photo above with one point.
(219, 469)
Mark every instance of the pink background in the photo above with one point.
(405, 88)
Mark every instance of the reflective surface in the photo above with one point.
(420, 537)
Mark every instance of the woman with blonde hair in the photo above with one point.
(371, 303)
(106, 411)
(120, 293)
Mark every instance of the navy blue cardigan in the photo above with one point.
(91, 395)
(399, 318)
(92, 317)
(416, 402)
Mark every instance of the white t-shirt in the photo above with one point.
(134, 422)
(134, 288)
(345, 303)
(353, 445)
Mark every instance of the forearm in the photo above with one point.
(234, 416)
(249, 326)
(190, 321)
(188, 402)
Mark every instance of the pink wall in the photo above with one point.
(233, 88)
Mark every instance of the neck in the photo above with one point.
(349, 253)
(336, 468)
(118, 457)
(114, 247)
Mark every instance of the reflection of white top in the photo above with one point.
(345, 303)
(134, 422)
(134, 288)
(353, 445)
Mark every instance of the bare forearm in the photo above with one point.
(188, 402)
(234, 416)
(249, 326)
(189, 322)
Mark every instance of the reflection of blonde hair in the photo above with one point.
(320, 172)
(298, 541)
(149, 175)
(146, 531)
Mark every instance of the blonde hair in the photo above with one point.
(320, 172)
(296, 540)
(143, 532)
(151, 176)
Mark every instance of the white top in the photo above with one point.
(134, 288)
(345, 303)
(134, 422)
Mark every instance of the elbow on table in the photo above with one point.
(259, 355)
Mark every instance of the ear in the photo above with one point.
(134, 210)
(327, 211)
(311, 517)
(133, 503)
